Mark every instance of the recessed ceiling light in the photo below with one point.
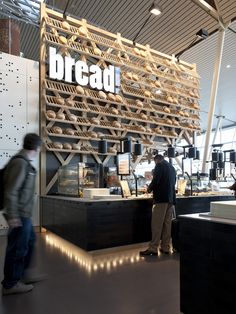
(228, 66)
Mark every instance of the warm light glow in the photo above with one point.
(228, 66)
(93, 262)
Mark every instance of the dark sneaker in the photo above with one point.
(164, 252)
(33, 279)
(148, 253)
(19, 287)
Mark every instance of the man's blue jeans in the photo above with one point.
(18, 252)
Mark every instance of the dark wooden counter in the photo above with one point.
(207, 265)
(101, 224)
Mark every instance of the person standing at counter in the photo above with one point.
(163, 188)
(19, 188)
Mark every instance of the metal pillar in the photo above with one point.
(215, 134)
(214, 86)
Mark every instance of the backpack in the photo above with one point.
(2, 171)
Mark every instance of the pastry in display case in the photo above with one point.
(72, 179)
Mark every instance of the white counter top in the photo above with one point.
(208, 217)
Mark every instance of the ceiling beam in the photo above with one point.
(207, 8)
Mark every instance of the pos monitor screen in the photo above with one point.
(123, 164)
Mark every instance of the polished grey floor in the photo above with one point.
(113, 281)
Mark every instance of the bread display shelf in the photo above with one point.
(90, 150)
(78, 106)
(82, 136)
(74, 31)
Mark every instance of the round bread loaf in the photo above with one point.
(72, 117)
(168, 121)
(79, 90)
(119, 98)
(95, 121)
(191, 93)
(135, 77)
(93, 134)
(57, 145)
(158, 130)
(143, 116)
(147, 93)
(67, 146)
(195, 106)
(169, 99)
(149, 130)
(60, 100)
(143, 53)
(142, 128)
(100, 134)
(136, 51)
(60, 116)
(114, 111)
(97, 51)
(116, 124)
(75, 146)
(111, 97)
(139, 103)
(129, 75)
(65, 25)
(51, 114)
(112, 150)
(102, 95)
(63, 40)
(70, 102)
(175, 122)
(69, 131)
(175, 101)
(166, 109)
(148, 68)
(157, 83)
(56, 130)
(173, 133)
(82, 31)
(167, 62)
(181, 113)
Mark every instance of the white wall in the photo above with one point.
(19, 109)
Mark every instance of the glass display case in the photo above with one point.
(72, 179)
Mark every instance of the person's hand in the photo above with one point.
(14, 222)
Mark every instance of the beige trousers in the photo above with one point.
(161, 226)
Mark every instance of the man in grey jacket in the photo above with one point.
(19, 189)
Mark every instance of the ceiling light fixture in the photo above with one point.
(155, 10)
(228, 66)
(202, 34)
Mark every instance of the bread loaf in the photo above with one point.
(158, 130)
(111, 97)
(51, 114)
(157, 83)
(76, 146)
(166, 109)
(65, 25)
(97, 51)
(142, 128)
(148, 68)
(114, 111)
(60, 100)
(186, 114)
(143, 53)
(60, 116)
(143, 116)
(82, 31)
(135, 77)
(69, 131)
(56, 130)
(70, 102)
(57, 145)
(119, 98)
(191, 93)
(129, 75)
(169, 99)
(195, 106)
(149, 130)
(95, 121)
(93, 134)
(79, 90)
(136, 51)
(147, 93)
(63, 40)
(72, 117)
(181, 113)
(112, 150)
(116, 124)
(168, 121)
(102, 95)
(67, 146)
(139, 103)
(175, 101)
(167, 62)
(173, 133)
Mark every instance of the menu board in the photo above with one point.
(123, 164)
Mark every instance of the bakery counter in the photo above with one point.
(97, 224)
(207, 264)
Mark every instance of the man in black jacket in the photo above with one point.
(163, 188)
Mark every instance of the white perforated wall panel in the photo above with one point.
(19, 110)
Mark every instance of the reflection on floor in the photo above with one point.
(109, 281)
